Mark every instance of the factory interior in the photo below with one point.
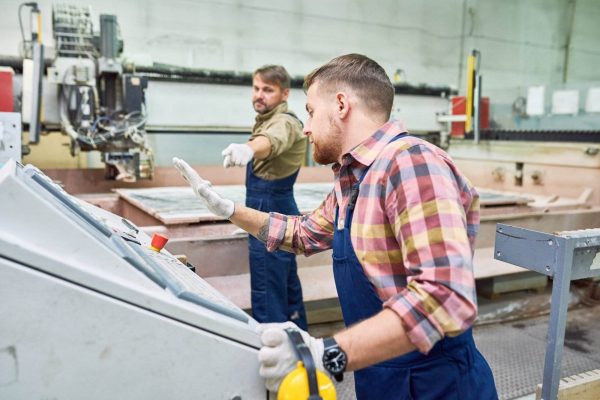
(117, 281)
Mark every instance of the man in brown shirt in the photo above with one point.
(272, 156)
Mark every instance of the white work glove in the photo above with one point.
(219, 206)
(278, 357)
(237, 155)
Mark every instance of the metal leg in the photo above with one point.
(557, 324)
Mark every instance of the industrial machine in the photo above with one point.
(86, 94)
(536, 154)
(84, 88)
(90, 308)
(564, 256)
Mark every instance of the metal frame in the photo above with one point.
(564, 256)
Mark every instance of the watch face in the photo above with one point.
(334, 360)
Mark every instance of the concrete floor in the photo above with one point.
(515, 350)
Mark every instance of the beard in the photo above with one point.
(261, 108)
(330, 149)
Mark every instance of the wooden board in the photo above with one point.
(585, 386)
(485, 266)
(318, 283)
(179, 205)
(489, 198)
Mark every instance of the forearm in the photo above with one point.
(297, 234)
(261, 146)
(374, 340)
(252, 221)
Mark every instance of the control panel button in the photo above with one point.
(158, 241)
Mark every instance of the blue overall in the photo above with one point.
(276, 292)
(453, 369)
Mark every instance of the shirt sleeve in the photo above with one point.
(282, 134)
(425, 206)
(306, 234)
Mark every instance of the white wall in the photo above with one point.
(522, 42)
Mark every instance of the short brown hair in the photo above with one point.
(362, 75)
(274, 74)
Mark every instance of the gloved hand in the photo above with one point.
(216, 204)
(237, 155)
(278, 357)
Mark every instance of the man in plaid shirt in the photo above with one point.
(402, 221)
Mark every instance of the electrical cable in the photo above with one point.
(22, 31)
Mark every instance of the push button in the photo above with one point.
(158, 242)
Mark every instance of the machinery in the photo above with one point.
(535, 155)
(565, 256)
(90, 309)
(87, 96)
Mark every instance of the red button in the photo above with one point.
(158, 241)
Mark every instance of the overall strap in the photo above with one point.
(355, 189)
(291, 114)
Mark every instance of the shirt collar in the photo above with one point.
(367, 151)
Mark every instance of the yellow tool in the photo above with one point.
(295, 385)
(305, 382)
(472, 83)
(470, 92)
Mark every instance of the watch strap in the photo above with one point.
(328, 343)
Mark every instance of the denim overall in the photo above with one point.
(453, 369)
(276, 291)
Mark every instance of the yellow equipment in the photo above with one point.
(470, 90)
(305, 382)
(473, 92)
(295, 385)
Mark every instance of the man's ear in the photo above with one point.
(342, 105)
(286, 93)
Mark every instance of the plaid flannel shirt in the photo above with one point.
(413, 231)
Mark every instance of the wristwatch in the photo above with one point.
(334, 359)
